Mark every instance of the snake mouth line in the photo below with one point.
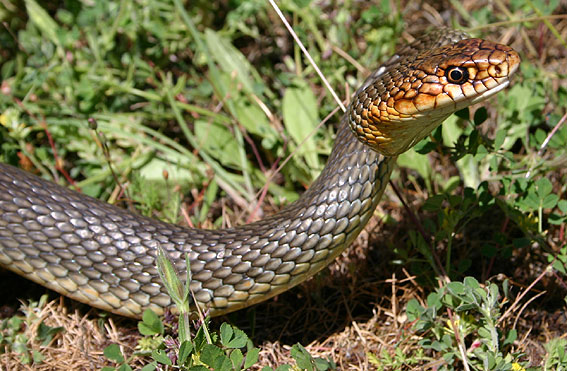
(489, 93)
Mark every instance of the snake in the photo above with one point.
(105, 256)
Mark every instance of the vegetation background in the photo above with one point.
(207, 113)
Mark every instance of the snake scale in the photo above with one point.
(104, 256)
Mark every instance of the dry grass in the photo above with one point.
(79, 346)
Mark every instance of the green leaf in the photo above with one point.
(434, 203)
(549, 201)
(456, 288)
(511, 337)
(15, 323)
(151, 324)
(251, 357)
(301, 117)
(42, 20)
(124, 367)
(213, 356)
(463, 114)
(424, 146)
(322, 364)
(200, 339)
(25, 358)
(185, 351)
(171, 281)
(218, 142)
(302, 3)
(521, 97)
(531, 201)
(226, 333)
(113, 353)
(414, 310)
(480, 116)
(174, 164)
(236, 358)
(256, 122)
(556, 219)
(544, 187)
(302, 357)
(471, 282)
(239, 340)
(559, 266)
(37, 357)
(46, 333)
(231, 61)
(161, 357)
(484, 333)
(149, 367)
(499, 139)
(434, 301)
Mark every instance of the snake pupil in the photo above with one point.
(457, 75)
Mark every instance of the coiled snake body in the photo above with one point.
(104, 256)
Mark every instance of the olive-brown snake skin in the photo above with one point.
(104, 256)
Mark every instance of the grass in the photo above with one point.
(197, 107)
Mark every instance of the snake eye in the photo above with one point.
(457, 75)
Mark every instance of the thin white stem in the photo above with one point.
(546, 141)
(296, 38)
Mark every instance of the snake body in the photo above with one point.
(104, 256)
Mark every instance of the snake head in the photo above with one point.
(413, 96)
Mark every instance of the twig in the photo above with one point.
(547, 140)
(519, 298)
(525, 306)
